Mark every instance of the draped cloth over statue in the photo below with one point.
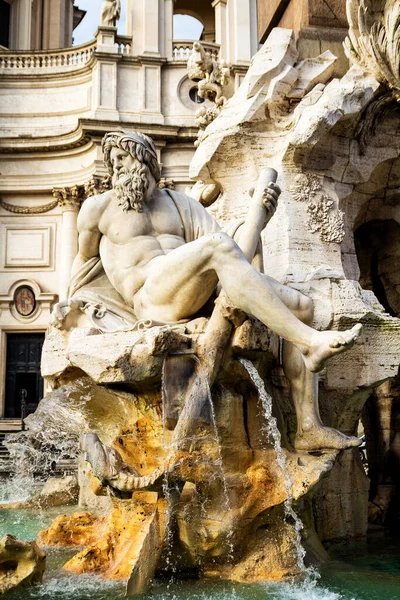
(104, 306)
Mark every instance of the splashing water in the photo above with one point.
(52, 438)
(274, 434)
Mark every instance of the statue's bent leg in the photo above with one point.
(311, 433)
(180, 282)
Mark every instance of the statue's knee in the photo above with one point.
(221, 243)
(306, 308)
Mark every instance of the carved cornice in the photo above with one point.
(28, 210)
(69, 198)
(17, 148)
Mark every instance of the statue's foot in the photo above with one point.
(328, 344)
(319, 437)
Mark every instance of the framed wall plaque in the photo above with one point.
(24, 300)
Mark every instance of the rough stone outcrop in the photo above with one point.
(229, 464)
(21, 563)
(336, 170)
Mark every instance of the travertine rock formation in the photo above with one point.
(336, 147)
(219, 494)
(21, 563)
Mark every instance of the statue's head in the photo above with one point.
(131, 159)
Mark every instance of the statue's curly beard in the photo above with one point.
(130, 187)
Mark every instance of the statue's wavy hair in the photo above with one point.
(138, 145)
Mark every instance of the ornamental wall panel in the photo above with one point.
(128, 89)
(27, 247)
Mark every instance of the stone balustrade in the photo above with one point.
(69, 59)
(183, 48)
(123, 44)
(45, 61)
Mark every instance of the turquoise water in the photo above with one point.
(357, 572)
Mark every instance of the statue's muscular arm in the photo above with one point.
(88, 229)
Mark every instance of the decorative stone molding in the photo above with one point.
(16, 148)
(28, 210)
(69, 198)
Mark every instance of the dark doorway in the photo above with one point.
(24, 384)
(4, 24)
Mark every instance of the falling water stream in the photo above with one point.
(273, 433)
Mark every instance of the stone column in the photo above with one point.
(143, 18)
(24, 24)
(221, 33)
(168, 28)
(69, 199)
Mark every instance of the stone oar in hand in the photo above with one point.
(219, 328)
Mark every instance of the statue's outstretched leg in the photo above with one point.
(181, 282)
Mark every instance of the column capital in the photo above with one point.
(97, 184)
(69, 198)
(216, 3)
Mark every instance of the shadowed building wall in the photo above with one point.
(319, 25)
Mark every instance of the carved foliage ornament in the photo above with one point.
(69, 198)
(374, 39)
(323, 217)
(28, 210)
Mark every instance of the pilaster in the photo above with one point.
(240, 23)
(144, 27)
(106, 75)
(221, 31)
(24, 25)
(168, 28)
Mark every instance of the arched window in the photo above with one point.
(187, 28)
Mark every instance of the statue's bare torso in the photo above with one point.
(134, 245)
